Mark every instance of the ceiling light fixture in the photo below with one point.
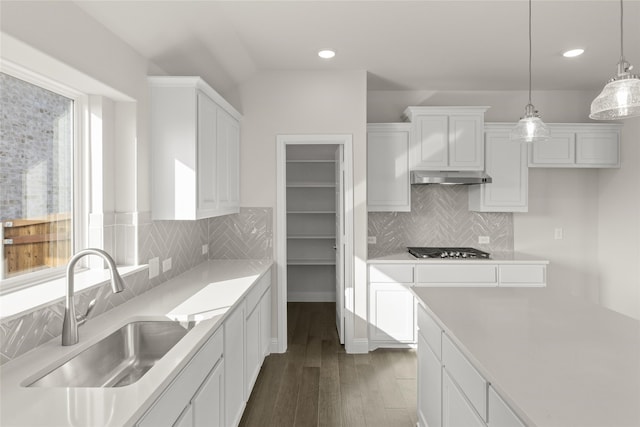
(326, 54)
(620, 98)
(530, 128)
(573, 53)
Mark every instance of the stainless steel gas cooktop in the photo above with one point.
(446, 253)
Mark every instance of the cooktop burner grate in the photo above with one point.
(445, 253)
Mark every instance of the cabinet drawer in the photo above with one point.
(255, 294)
(430, 330)
(500, 414)
(465, 375)
(464, 275)
(391, 273)
(523, 275)
(167, 409)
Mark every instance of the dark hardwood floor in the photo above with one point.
(317, 384)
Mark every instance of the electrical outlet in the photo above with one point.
(484, 240)
(154, 267)
(205, 249)
(558, 234)
(166, 265)
(371, 240)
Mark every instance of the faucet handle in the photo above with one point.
(81, 318)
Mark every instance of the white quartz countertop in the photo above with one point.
(496, 258)
(204, 294)
(558, 360)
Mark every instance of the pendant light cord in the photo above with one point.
(530, 51)
(621, 31)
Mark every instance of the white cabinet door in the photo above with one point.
(208, 403)
(466, 142)
(432, 142)
(388, 187)
(500, 414)
(265, 323)
(228, 156)
(253, 350)
(506, 164)
(392, 313)
(456, 410)
(598, 149)
(447, 138)
(234, 366)
(578, 145)
(429, 386)
(207, 156)
(186, 418)
(558, 150)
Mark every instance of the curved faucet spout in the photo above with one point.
(70, 322)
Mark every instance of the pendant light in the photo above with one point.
(530, 128)
(620, 98)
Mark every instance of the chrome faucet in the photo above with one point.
(71, 321)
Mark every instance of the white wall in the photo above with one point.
(619, 227)
(305, 102)
(598, 210)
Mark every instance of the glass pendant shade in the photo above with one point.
(530, 128)
(619, 99)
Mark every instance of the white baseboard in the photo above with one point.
(390, 344)
(311, 297)
(274, 346)
(358, 346)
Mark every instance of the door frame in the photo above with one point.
(281, 228)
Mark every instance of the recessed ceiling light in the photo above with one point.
(326, 54)
(573, 53)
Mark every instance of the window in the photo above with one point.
(38, 145)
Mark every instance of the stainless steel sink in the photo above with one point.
(119, 359)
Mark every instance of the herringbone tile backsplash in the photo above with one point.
(439, 217)
(246, 235)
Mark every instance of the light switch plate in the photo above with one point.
(371, 240)
(154, 267)
(484, 240)
(166, 264)
(205, 249)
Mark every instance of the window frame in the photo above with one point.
(80, 196)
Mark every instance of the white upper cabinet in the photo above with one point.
(388, 187)
(578, 145)
(195, 150)
(506, 164)
(447, 138)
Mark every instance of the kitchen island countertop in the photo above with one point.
(204, 294)
(557, 360)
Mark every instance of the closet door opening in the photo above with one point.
(312, 236)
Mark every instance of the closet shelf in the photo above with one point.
(311, 212)
(311, 261)
(311, 185)
(311, 236)
(311, 161)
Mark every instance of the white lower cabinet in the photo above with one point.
(456, 409)
(234, 367)
(451, 391)
(175, 405)
(265, 322)
(253, 350)
(429, 385)
(500, 414)
(208, 404)
(391, 314)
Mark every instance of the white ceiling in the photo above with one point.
(436, 45)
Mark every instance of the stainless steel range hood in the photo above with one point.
(449, 177)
